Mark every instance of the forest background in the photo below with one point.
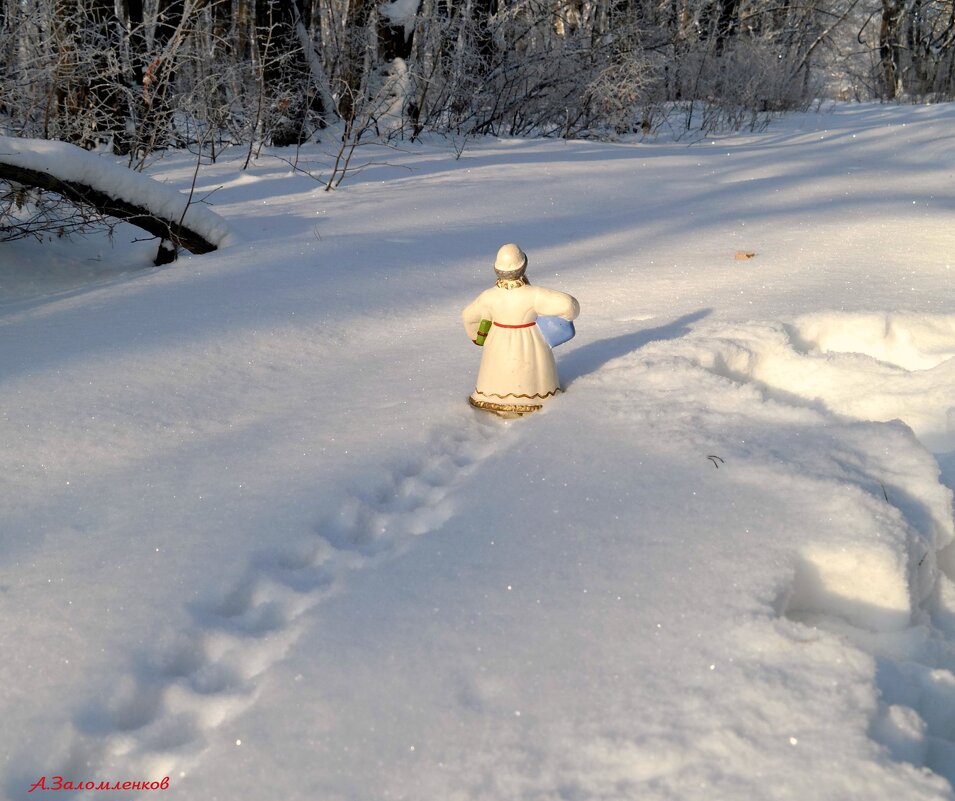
(138, 76)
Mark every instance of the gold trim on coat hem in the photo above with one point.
(506, 408)
(523, 397)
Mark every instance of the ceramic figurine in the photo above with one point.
(518, 373)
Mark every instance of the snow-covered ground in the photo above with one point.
(254, 539)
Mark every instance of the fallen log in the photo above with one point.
(87, 179)
(123, 210)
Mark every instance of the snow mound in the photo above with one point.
(400, 12)
(909, 341)
(70, 163)
(865, 366)
(864, 583)
(820, 542)
(848, 426)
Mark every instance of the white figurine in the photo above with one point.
(518, 373)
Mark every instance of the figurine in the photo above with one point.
(518, 373)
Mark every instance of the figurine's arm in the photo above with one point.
(551, 303)
(472, 316)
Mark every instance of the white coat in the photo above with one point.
(518, 372)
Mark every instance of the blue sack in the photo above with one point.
(556, 330)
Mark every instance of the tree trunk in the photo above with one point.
(132, 213)
(352, 58)
(727, 24)
(159, 76)
(88, 106)
(918, 46)
(286, 72)
(132, 11)
(889, 47)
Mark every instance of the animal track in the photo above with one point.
(158, 719)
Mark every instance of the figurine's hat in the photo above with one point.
(510, 259)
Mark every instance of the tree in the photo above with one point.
(288, 81)
(144, 74)
(87, 180)
(890, 47)
(84, 105)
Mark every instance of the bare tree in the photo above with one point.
(146, 74)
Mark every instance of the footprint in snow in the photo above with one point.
(159, 719)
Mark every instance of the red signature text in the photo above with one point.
(58, 783)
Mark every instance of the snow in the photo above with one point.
(255, 540)
(400, 12)
(70, 163)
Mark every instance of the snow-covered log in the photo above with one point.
(86, 178)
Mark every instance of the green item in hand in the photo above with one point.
(483, 328)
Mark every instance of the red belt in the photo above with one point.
(522, 325)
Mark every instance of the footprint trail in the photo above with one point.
(160, 718)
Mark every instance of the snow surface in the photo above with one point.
(255, 540)
(70, 163)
